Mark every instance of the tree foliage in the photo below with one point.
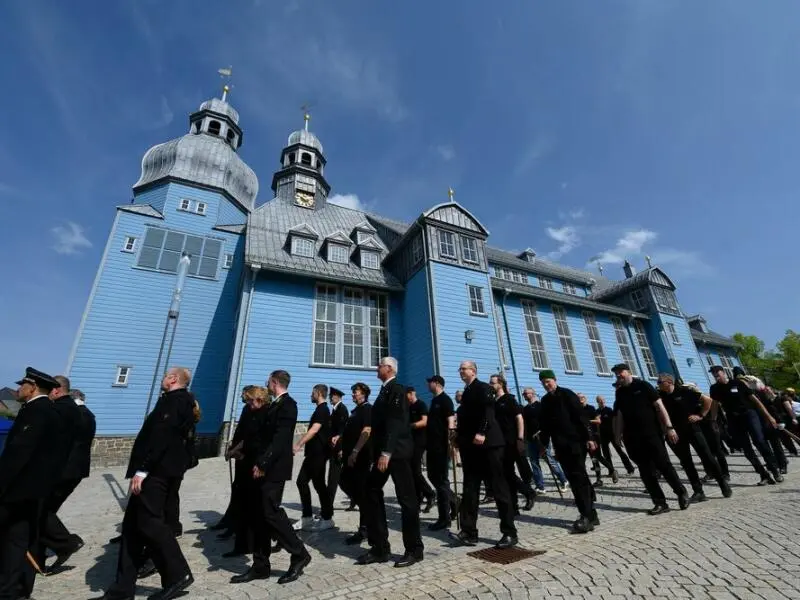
(780, 367)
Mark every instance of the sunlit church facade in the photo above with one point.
(299, 283)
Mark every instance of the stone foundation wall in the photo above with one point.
(116, 451)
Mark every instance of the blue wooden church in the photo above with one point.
(324, 292)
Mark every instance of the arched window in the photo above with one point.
(305, 158)
(214, 127)
(291, 158)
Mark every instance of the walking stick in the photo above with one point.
(34, 564)
(457, 498)
(556, 480)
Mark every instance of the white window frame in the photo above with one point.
(673, 333)
(561, 318)
(500, 335)
(624, 344)
(228, 261)
(303, 246)
(709, 359)
(362, 236)
(644, 348)
(326, 325)
(569, 288)
(353, 326)
(344, 253)
(511, 275)
(447, 244)
(129, 245)
(200, 208)
(185, 205)
(596, 343)
(726, 363)
(545, 283)
(200, 257)
(638, 300)
(469, 250)
(123, 376)
(370, 260)
(417, 253)
(477, 306)
(538, 350)
(376, 327)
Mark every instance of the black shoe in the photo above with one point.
(439, 525)
(507, 541)
(766, 480)
(530, 499)
(146, 570)
(631, 470)
(658, 509)
(582, 525)
(409, 558)
(295, 568)
(777, 477)
(705, 479)
(598, 483)
(355, 539)
(429, 502)
(372, 557)
(468, 539)
(683, 501)
(595, 520)
(234, 553)
(226, 535)
(698, 496)
(725, 488)
(251, 575)
(172, 591)
(64, 557)
(614, 477)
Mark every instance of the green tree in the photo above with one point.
(751, 353)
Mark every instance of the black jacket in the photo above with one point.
(530, 415)
(160, 448)
(476, 415)
(64, 442)
(274, 453)
(30, 463)
(391, 427)
(82, 424)
(563, 420)
(338, 419)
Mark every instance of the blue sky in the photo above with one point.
(583, 129)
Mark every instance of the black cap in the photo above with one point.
(436, 379)
(738, 371)
(620, 367)
(334, 392)
(39, 379)
(715, 368)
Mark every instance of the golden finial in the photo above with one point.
(451, 193)
(306, 115)
(225, 90)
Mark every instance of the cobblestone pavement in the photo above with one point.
(745, 547)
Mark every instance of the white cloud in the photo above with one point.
(69, 238)
(347, 201)
(628, 246)
(446, 152)
(577, 213)
(567, 237)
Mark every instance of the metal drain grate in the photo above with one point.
(504, 556)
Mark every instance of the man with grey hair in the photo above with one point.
(394, 448)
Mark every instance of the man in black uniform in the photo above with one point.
(357, 454)
(30, 467)
(159, 459)
(272, 454)
(593, 418)
(317, 443)
(441, 423)
(687, 407)
(508, 413)
(481, 444)
(563, 421)
(606, 431)
(637, 413)
(393, 448)
(741, 406)
(418, 416)
(81, 421)
(338, 419)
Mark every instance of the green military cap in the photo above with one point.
(546, 374)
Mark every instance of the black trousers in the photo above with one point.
(773, 437)
(608, 440)
(573, 463)
(711, 433)
(438, 474)
(313, 471)
(172, 509)
(650, 454)
(424, 489)
(271, 523)
(54, 534)
(692, 437)
(18, 532)
(354, 483)
(403, 478)
(481, 464)
(513, 459)
(786, 440)
(598, 459)
(335, 466)
(742, 428)
(239, 518)
(145, 525)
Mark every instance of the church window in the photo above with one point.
(162, 250)
(305, 158)
(370, 260)
(637, 298)
(130, 244)
(673, 333)
(726, 363)
(362, 236)
(353, 328)
(665, 299)
(625, 349)
(200, 208)
(569, 288)
(598, 352)
(511, 275)
(571, 363)
(469, 249)
(447, 244)
(546, 283)
(228, 261)
(416, 250)
(338, 253)
(291, 158)
(325, 325)
(476, 306)
(186, 204)
(535, 337)
(121, 378)
(214, 127)
(378, 308)
(302, 246)
(644, 348)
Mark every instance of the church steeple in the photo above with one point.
(301, 178)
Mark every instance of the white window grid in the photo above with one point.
(673, 333)
(302, 246)
(130, 244)
(122, 376)
(598, 352)
(546, 283)
(370, 260)
(228, 261)
(338, 253)
(644, 348)
(417, 254)
(447, 244)
(625, 350)
(535, 337)
(200, 208)
(571, 363)
(469, 249)
(726, 363)
(637, 298)
(476, 306)
(569, 288)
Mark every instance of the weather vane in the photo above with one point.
(451, 193)
(225, 73)
(306, 114)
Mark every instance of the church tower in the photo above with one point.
(301, 177)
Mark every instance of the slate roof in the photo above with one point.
(540, 266)
(711, 337)
(267, 243)
(538, 293)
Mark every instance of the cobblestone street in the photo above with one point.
(745, 547)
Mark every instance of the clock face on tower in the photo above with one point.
(304, 199)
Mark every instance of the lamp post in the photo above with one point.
(172, 318)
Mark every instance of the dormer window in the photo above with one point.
(302, 246)
(362, 237)
(214, 127)
(546, 283)
(370, 260)
(447, 244)
(338, 253)
(305, 158)
(637, 298)
(469, 249)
